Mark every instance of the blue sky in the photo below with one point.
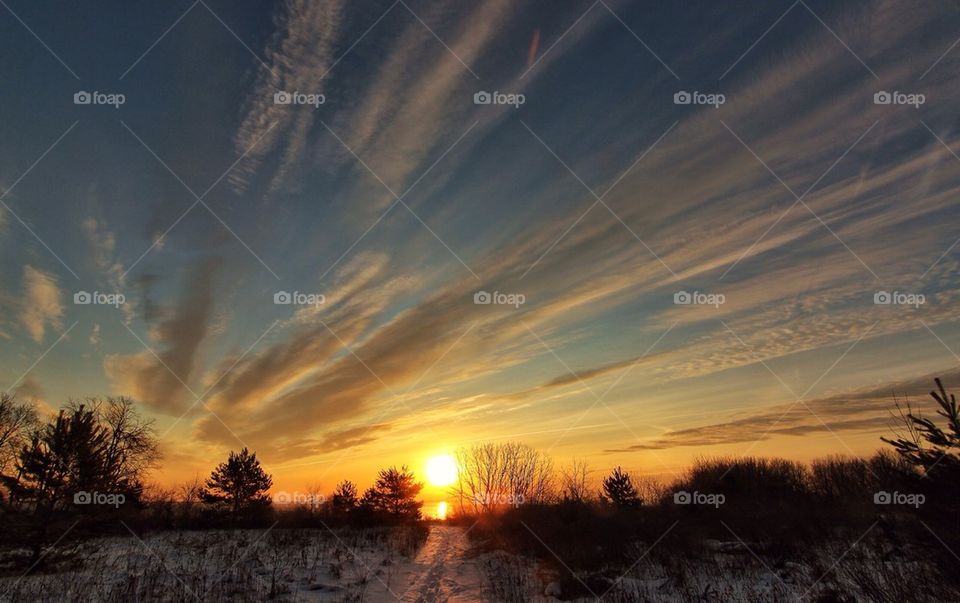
(598, 199)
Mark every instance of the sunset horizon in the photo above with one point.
(628, 236)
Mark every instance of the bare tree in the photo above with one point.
(494, 476)
(574, 479)
(189, 495)
(131, 447)
(190, 492)
(17, 420)
(315, 498)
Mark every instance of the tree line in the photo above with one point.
(86, 467)
(92, 459)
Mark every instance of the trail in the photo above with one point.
(442, 572)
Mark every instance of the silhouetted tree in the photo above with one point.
(100, 449)
(573, 482)
(66, 457)
(345, 497)
(497, 475)
(394, 494)
(240, 482)
(618, 488)
(925, 444)
(131, 447)
(189, 495)
(104, 447)
(17, 420)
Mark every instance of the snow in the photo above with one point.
(377, 565)
(443, 570)
(251, 565)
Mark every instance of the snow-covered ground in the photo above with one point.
(375, 565)
(233, 565)
(444, 570)
(253, 565)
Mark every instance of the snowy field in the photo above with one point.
(237, 565)
(398, 565)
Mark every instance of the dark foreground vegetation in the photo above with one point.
(82, 475)
(893, 518)
(74, 509)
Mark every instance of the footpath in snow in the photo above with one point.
(441, 572)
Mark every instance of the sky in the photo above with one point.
(388, 167)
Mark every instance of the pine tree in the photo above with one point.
(81, 452)
(240, 482)
(927, 445)
(68, 456)
(99, 446)
(394, 494)
(345, 496)
(618, 488)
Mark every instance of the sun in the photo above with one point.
(441, 470)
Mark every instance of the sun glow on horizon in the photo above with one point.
(441, 470)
